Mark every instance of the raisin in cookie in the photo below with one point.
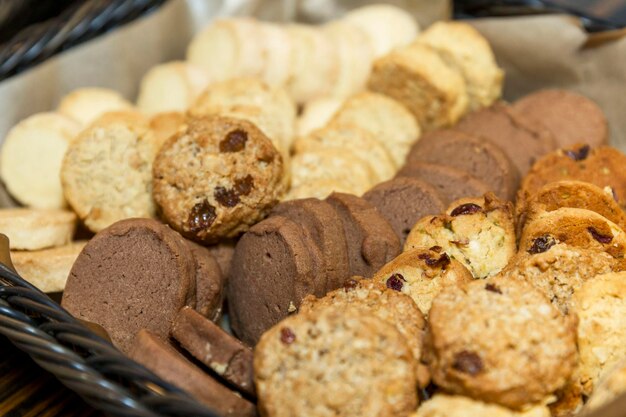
(421, 274)
(510, 345)
(334, 362)
(478, 232)
(216, 177)
(612, 385)
(443, 405)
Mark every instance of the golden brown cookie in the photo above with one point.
(216, 177)
(612, 385)
(444, 405)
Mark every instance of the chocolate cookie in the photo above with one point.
(522, 140)
(451, 183)
(371, 240)
(162, 359)
(403, 201)
(571, 118)
(322, 222)
(209, 282)
(472, 154)
(135, 274)
(223, 254)
(219, 351)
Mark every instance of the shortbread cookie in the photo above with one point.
(386, 26)
(386, 119)
(466, 50)
(443, 405)
(611, 386)
(85, 105)
(421, 274)
(403, 201)
(418, 78)
(272, 270)
(276, 53)
(558, 270)
(575, 227)
(357, 141)
(221, 352)
(216, 177)
(32, 177)
(371, 239)
(172, 86)
(160, 357)
(135, 274)
(210, 282)
(165, 125)
(451, 183)
(383, 302)
(316, 114)
(481, 353)
(32, 229)
(521, 139)
(600, 305)
(47, 269)
(572, 118)
(478, 232)
(349, 362)
(317, 188)
(107, 171)
(474, 155)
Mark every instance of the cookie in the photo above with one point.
(321, 222)
(107, 170)
(386, 119)
(277, 53)
(33, 229)
(480, 353)
(216, 177)
(371, 239)
(611, 386)
(317, 188)
(465, 49)
(575, 227)
(212, 346)
(85, 105)
(355, 141)
(478, 232)
(522, 140)
(316, 114)
(223, 254)
(418, 77)
(600, 303)
(474, 155)
(421, 274)
(451, 183)
(376, 299)
(349, 362)
(273, 268)
(209, 282)
(166, 362)
(32, 179)
(602, 166)
(403, 201)
(135, 274)
(444, 405)
(165, 125)
(571, 117)
(559, 270)
(47, 269)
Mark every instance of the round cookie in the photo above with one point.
(421, 274)
(316, 114)
(209, 282)
(391, 306)
(85, 105)
(216, 177)
(107, 170)
(443, 405)
(575, 227)
(480, 353)
(451, 183)
(272, 270)
(403, 201)
(350, 363)
(33, 229)
(571, 117)
(223, 254)
(478, 157)
(371, 239)
(276, 45)
(478, 232)
(523, 141)
(165, 125)
(600, 305)
(135, 274)
(317, 188)
(611, 386)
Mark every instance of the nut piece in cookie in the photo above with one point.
(499, 341)
(216, 177)
(478, 232)
(335, 361)
(444, 405)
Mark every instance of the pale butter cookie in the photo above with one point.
(85, 105)
(443, 405)
(32, 229)
(612, 385)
